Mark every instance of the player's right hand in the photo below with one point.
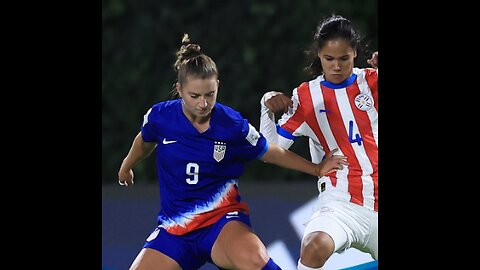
(279, 103)
(125, 178)
(331, 163)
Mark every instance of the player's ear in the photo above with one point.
(178, 88)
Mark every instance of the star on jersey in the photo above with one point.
(363, 102)
(219, 151)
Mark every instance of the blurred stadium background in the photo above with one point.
(258, 46)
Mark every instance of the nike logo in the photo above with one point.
(167, 142)
(325, 111)
(233, 214)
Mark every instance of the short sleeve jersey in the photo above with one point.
(198, 172)
(343, 116)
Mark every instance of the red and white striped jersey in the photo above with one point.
(343, 116)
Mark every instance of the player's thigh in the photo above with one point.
(150, 259)
(238, 245)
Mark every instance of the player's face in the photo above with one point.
(337, 58)
(199, 95)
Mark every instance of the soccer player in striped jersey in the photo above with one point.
(202, 147)
(338, 108)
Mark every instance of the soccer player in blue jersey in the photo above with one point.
(202, 147)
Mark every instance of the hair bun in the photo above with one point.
(189, 49)
(185, 39)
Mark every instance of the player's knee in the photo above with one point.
(317, 248)
(253, 259)
(257, 260)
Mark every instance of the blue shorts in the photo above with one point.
(193, 249)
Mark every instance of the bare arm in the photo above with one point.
(287, 159)
(139, 151)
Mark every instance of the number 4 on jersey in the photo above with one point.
(357, 139)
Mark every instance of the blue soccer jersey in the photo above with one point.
(198, 172)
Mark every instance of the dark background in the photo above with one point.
(257, 45)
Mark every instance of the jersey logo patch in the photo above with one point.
(363, 102)
(219, 151)
(253, 135)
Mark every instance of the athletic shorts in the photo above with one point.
(349, 224)
(191, 250)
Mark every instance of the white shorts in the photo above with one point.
(349, 224)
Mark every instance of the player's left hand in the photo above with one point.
(374, 60)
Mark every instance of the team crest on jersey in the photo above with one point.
(219, 151)
(363, 102)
